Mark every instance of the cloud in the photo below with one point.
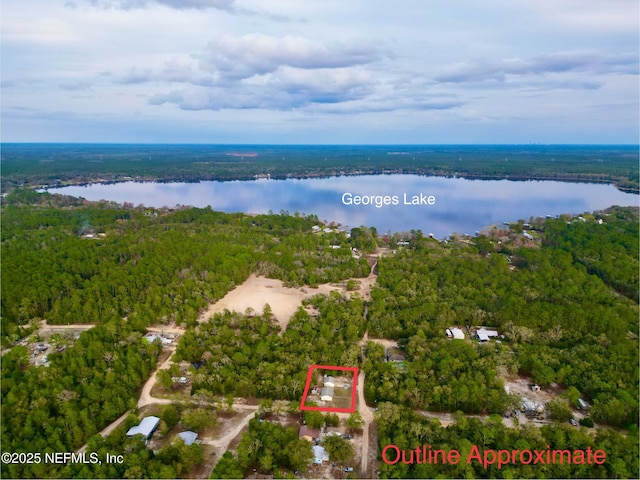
(287, 88)
(74, 87)
(228, 6)
(265, 72)
(176, 4)
(235, 58)
(561, 62)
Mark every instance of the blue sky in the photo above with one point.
(330, 71)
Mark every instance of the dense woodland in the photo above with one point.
(562, 324)
(248, 357)
(567, 308)
(59, 164)
(269, 448)
(406, 429)
(86, 387)
(149, 267)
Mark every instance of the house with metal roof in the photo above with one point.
(327, 394)
(329, 381)
(319, 455)
(145, 428)
(484, 335)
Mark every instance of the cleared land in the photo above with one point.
(256, 292)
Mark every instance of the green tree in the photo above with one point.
(314, 418)
(559, 410)
(227, 467)
(170, 416)
(339, 449)
(355, 422)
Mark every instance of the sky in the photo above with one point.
(320, 71)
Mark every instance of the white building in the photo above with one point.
(484, 335)
(327, 394)
(455, 333)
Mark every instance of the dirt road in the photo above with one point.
(145, 396)
(367, 416)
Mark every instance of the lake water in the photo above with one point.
(462, 206)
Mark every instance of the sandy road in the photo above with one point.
(367, 416)
(222, 443)
(145, 395)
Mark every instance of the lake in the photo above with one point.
(395, 203)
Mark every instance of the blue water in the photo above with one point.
(462, 206)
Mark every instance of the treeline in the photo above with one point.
(93, 263)
(268, 448)
(54, 164)
(248, 356)
(407, 430)
(607, 245)
(561, 324)
(57, 408)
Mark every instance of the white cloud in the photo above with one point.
(560, 62)
(43, 31)
(412, 71)
(256, 54)
(177, 4)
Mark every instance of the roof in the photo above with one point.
(457, 333)
(326, 392)
(319, 455)
(146, 427)
(153, 337)
(308, 432)
(329, 381)
(188, 437)
(484, 335)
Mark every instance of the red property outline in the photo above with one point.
(331, 409)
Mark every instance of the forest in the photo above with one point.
(248, 356)
(86, 387)
(147, 266)
(406, 429)
(63, 164)
(564, 322)
(567, 307)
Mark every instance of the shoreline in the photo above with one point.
(564, 178)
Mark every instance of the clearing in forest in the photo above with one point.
(330, 389)
(256, 292)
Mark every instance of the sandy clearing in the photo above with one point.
(256, 291)
(520, 386)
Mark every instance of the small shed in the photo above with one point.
(188, 437)
(583, 405)
(309, 434)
